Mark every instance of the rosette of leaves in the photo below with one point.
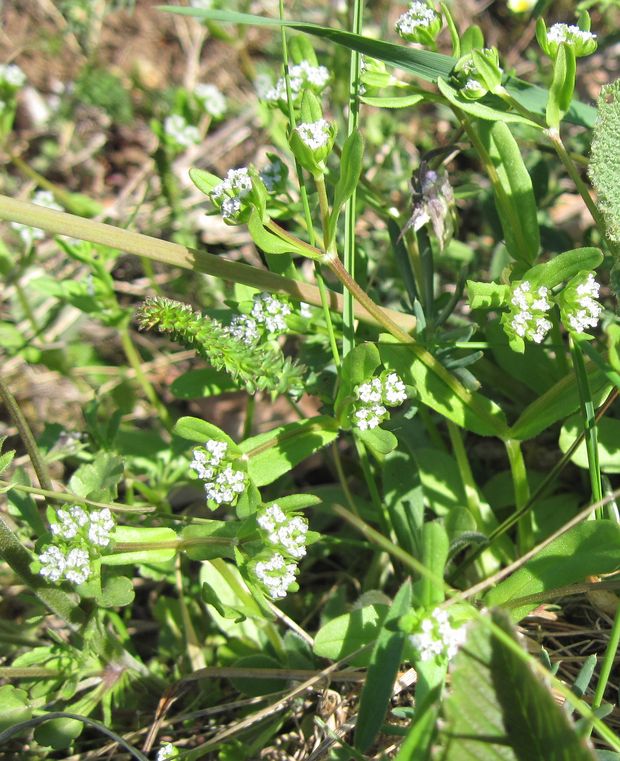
(257, 366)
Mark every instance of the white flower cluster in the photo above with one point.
(12, 76)
(73, 565)
(582, 311)
(233, 189)
(419, 15)
(167, 751)
(437, 637)
(94, 527)
(374, 396)
(211, 100)
(301, 76)
(244, 329)
(182, 133)
(528, 319)
(288, 533)
(81, 533)
(560, 33)
(314, 134)
(270, 312)
(276, 574)
(223, 482)
(30, 234)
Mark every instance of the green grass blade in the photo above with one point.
(422, 63)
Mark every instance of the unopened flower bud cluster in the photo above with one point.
(223, 483)
(437, 637)
(180, 132)
(530, 306)
(374, 397)
(315, 134)
(303, 75)
(80, 536)
(582, 42)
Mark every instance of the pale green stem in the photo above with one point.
(62, 496)
(608, 661)
(467, 477)
(194, 651)
(522, 492)
(25, 433)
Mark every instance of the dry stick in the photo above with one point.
(175, 255)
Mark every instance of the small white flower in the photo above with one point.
(244, 329)
(276, 574)
(12, 75)
(77, 566)
(418, 15)
(269, 311)
(180, 131)
(305, 310)
(437, 637)
(314, 134)
(69, 522)
(52, 563)
(203, 5)
(168, 750)
(230, 208)
(568, 33)
(101, 525)
(301, 75)
(289, 533)
(212, 100)
(371, 391)
(395, 392)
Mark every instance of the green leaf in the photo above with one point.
(350, 171)
(270, 455)
(378, 440)
(487, 295)
(563, 266)
(562, 86)
(428, 591)
(499, 710)
(139, 536)
(98, 479)
(608, 435)
(14, 706)
(588, 549)
(441, 391)
(392, 101)
(210, 539)
(347, 633)
(512, 186)
(382, 671)
(271, 243)
(7, 458)
(116, 592)
(204, 181)
(199, 384)
(559, 402)
(416, 746)
(195, 429)
(424, 64)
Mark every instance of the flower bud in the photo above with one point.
(420, 23)
(581, 41)
(478, 73)
(311, 142)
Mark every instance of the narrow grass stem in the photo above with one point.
(589, 421)
(63, 496)
(135, 361)
(522, 492)
(25, 433)
(608, 661)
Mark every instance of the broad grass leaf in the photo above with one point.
(347, 633)
(587, 549)
(424, 64)
(437, 388)
(382, 670)
(514, 195)
(199, 384)
(608, 434)
(558, 403)
(498, 709)
(272, 454)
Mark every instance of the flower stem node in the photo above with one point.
(420, 23)
(437, 638)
